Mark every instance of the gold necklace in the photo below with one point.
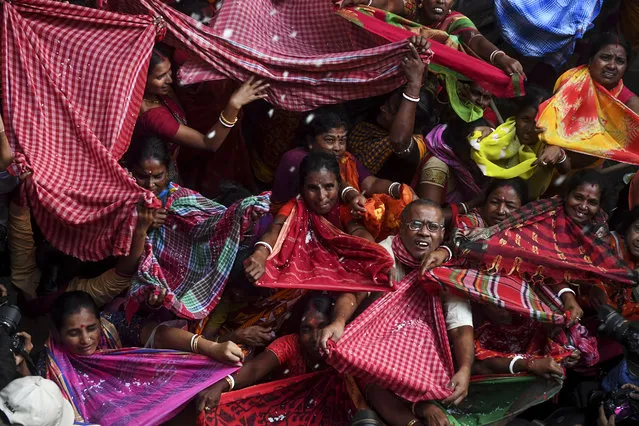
(153, 101)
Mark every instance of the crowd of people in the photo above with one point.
(432, 256)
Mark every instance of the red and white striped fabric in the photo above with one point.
(72, 80)
(309, 55)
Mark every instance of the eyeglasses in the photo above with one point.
(418, 225)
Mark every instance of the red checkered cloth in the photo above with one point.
(309, 55)
(73, 79)
(399, 342)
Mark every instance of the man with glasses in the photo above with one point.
(421, 235)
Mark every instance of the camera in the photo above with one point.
(615, 325)
(619, 402)
(9, 319)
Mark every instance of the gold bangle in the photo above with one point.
(226, 120)
(199, 336)
(412, 422)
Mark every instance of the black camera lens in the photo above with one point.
(10, 318)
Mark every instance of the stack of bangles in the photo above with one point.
(226, 122)
(345, 191)
(194, 339)
(264, 244)
(564, 156)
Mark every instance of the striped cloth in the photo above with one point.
(73, 79)
(192, 254)
(545, 29)
(309, 55)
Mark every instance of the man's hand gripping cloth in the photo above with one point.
(311, 253)
(400, 342)
(192, 254)
(72, 81)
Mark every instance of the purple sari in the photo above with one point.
(466, 189)
(124, 386)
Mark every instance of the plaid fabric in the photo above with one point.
(310, 56)
(545, 29)
(192, 254)
(540, 244)
(69, 136)
(312, 254)
(506, 291)
(399, 342)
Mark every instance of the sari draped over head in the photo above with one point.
(501, 155)
(542, 245)
(466, 188)
(310, 253)
(124, 386)
(192, 254)
(400, 341)
(583, 116)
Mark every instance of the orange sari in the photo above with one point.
(583, 116)
(382, 217)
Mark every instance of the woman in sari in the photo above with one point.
(393, 145)
(326, 132)
(100, 364)
(193, 242)
(493, 353)
(161, 115)
(592, 112)
(572, 249)
(287, 356)
(442, 24)
(319, 182)
(447, 174)
(514, 149)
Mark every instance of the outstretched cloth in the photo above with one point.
(125, 386)
(309, 55)
(447, 58)
(400, 341)
(585, 117)
(311, 253)
(542, 245)
(72, 82)
(192, 254)
(319, 398)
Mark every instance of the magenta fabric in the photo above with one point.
(131, 386)
(72, 83)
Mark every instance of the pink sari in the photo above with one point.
(124, 386)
